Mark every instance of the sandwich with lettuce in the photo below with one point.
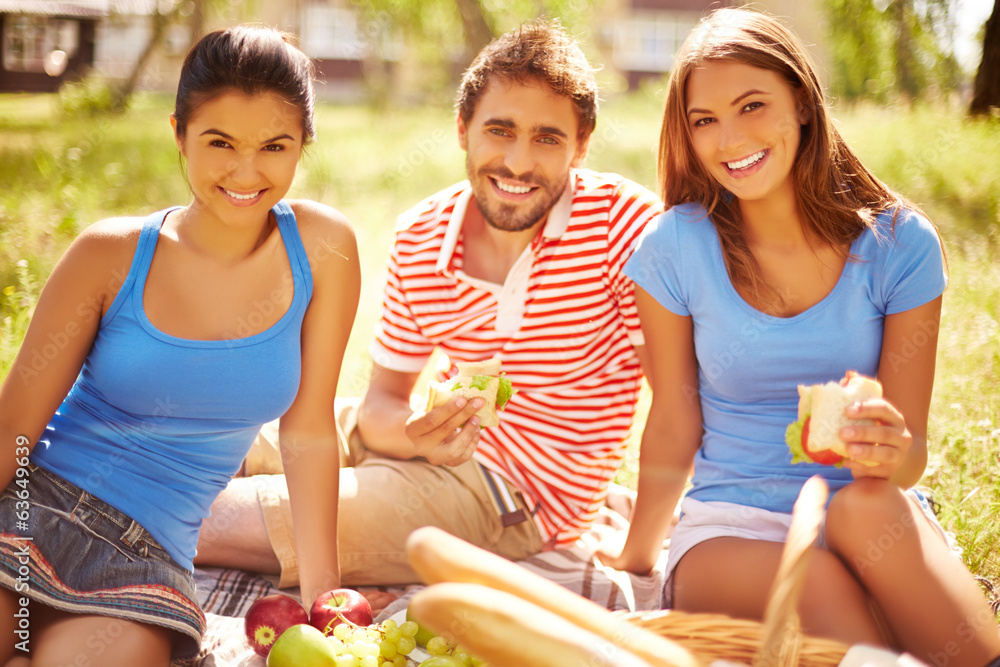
(475, 379)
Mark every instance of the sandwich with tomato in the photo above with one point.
(815, 436)
(476, 379)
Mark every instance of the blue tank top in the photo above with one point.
(156, 425)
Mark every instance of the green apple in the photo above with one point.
(302, 645)
(423, 634)
(442, 661)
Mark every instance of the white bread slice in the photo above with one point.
(826, 404)
(440, 393)
(470, 368)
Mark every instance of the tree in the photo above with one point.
(121, 96)
(882, 48)
(986, 89)
(442, 36)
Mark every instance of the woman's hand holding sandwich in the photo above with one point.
(885, 444)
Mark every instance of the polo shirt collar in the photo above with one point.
(555, 225)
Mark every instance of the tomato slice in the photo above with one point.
(825, 457)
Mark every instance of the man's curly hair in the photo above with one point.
(541, 51)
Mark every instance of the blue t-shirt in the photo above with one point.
(156, 425)
(750, 363)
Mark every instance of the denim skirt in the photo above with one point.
(64, 548)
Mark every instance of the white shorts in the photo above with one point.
(702, 521)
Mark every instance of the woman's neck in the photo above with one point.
(228, 244)
(774, 221)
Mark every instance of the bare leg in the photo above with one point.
(9, 606)
(930, 600)
(733, 576)
(234, 534)
(71, 639)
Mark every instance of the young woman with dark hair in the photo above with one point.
(181, 333)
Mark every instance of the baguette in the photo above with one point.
(503, 629)
(438, 557)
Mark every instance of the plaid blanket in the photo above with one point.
(226, 594)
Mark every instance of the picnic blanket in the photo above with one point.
(226, 594)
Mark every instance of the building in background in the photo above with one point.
(644, 35)
(47, 42)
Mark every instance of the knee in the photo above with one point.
(868, 511)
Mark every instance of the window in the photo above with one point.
(331, 33)
(647, 41)
(119, 43)
(28, 41)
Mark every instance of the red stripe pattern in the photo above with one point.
(562, 437)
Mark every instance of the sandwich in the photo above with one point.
(815, 436)
(477, 379)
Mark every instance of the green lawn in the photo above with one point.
(61, 173)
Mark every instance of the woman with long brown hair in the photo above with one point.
(782, 261)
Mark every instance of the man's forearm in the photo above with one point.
(382, 424)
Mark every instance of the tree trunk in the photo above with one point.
(906, 80)
(986, 90)
(196, 21)
(124, 93)
(478, 32)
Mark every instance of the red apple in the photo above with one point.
(268, 617)
(333, 607)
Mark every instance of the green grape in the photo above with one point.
(357, 636)
(387, 649)
(393, 633)
(369, 661)
(358, 649)
(405, 645)
(409, 628)
(348, 660)
(438, 646)
(338, 646)
(389, 624)
(342, 631)
(399, 660)
(462, 655)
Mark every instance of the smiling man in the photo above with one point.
(522, 263)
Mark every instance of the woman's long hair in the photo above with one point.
(837, 196)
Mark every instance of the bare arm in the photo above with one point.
(447, 435)
(62, 331)
(906, 371)
(308, 430)
(672, 434)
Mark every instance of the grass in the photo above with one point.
(61, 173)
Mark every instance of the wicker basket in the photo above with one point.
(778, 641)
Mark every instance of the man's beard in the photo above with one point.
(513, 217)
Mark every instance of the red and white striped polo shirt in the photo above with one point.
(563, 324)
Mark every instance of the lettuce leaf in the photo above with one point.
(793, 438)
(504, 392)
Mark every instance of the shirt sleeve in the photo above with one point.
(656, 264)
(399, 344)
(632, 209)
(914, 271)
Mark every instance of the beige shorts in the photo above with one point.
(382, 500)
